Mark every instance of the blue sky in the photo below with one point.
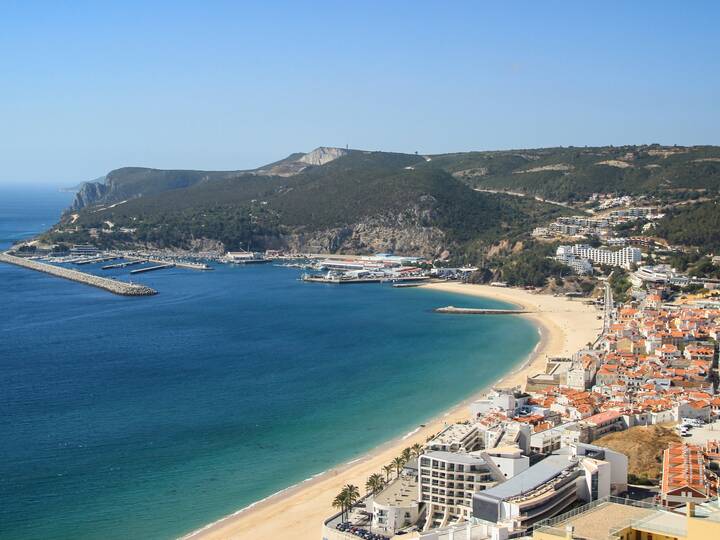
(86, 87)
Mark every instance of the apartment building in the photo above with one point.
(548, 488)
(624, 258)
(457, 438)
(448, 481)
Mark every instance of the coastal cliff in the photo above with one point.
(132, 182)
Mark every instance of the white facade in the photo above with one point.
(447, 482)
(507, 401)
(580, 266)
(624, 258)
(396, 506)
(509, 460)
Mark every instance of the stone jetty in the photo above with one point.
(114, 286)
(480, 311)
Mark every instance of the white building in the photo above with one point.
(661, 273)
(570, 476)
(580, 266)
(457, 438)
(396, 506)
(447, 482)
(624, 258)
(509, 459)
(508, 401)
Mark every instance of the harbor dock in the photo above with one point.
(114, 286)
(480, 311)
(91, 260)
(122, 264)
(152, 268)
(179, 264)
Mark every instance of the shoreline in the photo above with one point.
(303, 507)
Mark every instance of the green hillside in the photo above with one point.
(574, 173)
(695, 225)
(380, 192)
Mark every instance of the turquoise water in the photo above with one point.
(150, 417)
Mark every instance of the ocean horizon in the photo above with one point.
(151, 417)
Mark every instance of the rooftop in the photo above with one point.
(454, 433)
(595, 524)
(601, 519)
(529, 479)
(454, 457)
(402, 492)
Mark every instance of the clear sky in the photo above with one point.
(86, 87)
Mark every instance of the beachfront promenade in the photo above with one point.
(114, 286)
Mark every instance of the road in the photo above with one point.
(518, 194)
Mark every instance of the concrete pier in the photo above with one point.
(152, 268)
(121, 265)
(111, 285)
(480, 311)
(179, 264)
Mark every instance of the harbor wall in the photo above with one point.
(114, 286)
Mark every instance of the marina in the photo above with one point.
(114, 286)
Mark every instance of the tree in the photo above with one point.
(375, 483)
(406, 455)
(417, 449)
(398, 463)
(352, 494)
(339, 502)
(387, 469)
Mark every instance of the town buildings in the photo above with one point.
(624, 257)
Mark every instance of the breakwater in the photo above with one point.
(479, 311)
(111, 285)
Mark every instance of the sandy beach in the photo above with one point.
(565, 326)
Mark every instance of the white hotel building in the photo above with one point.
(624, 258)
(448, 481)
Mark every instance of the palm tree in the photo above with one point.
(374, 483)
(352, 494)
(406, 454)
(398, 463)
(387, 469)
(339, 502)
(417, 449)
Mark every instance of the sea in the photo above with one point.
(151, 417)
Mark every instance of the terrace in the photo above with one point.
(610, 517)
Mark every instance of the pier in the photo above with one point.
(122, 264)
(179, 264)
(114, 286)
(340, 279)
(96, 260)
(153, 268)
(480, 311)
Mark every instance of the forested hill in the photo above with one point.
(562, 174)
(574, 173)
(334, 199)
(353, 202)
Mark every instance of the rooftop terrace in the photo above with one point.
(606, 517)
(402, 492)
